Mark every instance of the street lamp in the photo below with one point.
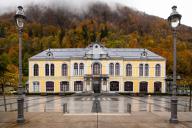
(19, 19)
(174, 21)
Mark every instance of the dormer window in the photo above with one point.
(144, 54)
(49, 53)
(95, 51)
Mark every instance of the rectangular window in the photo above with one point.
(64, 86)
(75, 72)
(49, 86)
(81, 71)
(78, 86)
(146, 70)
(46, 70)
(52, 69)
(36, 86)
(141, 70)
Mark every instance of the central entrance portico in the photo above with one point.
(96, 85)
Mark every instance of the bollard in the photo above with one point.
(65, 108)
(129, 108)
(149, 107)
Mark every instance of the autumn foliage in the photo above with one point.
(120, 28)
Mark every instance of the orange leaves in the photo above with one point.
(12, 68)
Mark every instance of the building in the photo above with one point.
(97, 69)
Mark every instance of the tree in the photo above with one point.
(7, 79)
(3, 67)
(2, 31)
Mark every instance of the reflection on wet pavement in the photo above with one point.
(94, 103)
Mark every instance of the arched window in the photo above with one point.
(157, 70)
(143, 87)
(96, 69)
(140, 69)
(81, 69)
(46, 69)
(129, 70)
(78, 86)
(75, 69)
(111, 69)
(157, 87)
(64, 69)
(49, 86)
(36, 70)
(146, 70)
(117, 69)
(52, 69)
(64, 86)
(114, 86)
(128, 86)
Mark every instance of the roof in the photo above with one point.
(95, 51)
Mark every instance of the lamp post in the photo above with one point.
(19, 19)
(174, 21)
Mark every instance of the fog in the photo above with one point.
(77, 6)
(161, 8)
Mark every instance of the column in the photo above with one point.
(90, 86)
(107, 85)
(163, 86)
(102, 86)
(71, 85)
(56, 86)
(85, 85)
(42, 86)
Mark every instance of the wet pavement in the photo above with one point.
(95, 103)
(93, 120)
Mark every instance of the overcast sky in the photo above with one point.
(161, 8)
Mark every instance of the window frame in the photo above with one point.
(117, 69)
(96, 69)
(81, 69)
(36, 86)
(36, 70)
(128, 70)
(64, 70)
(141, 69)
(64, 86)
(75, 69)
(52, 68)
(129, 86)
(157, 70)
(46, 69)
(146, 69)
(111, 69)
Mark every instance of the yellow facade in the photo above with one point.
(106, 82)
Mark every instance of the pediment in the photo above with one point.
(96, 51)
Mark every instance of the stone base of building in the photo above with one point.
(88, 93)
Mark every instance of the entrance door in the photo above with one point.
(96, 86)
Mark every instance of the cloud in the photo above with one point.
(161, 8)
(73, 5)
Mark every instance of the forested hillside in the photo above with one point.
(122, 27)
